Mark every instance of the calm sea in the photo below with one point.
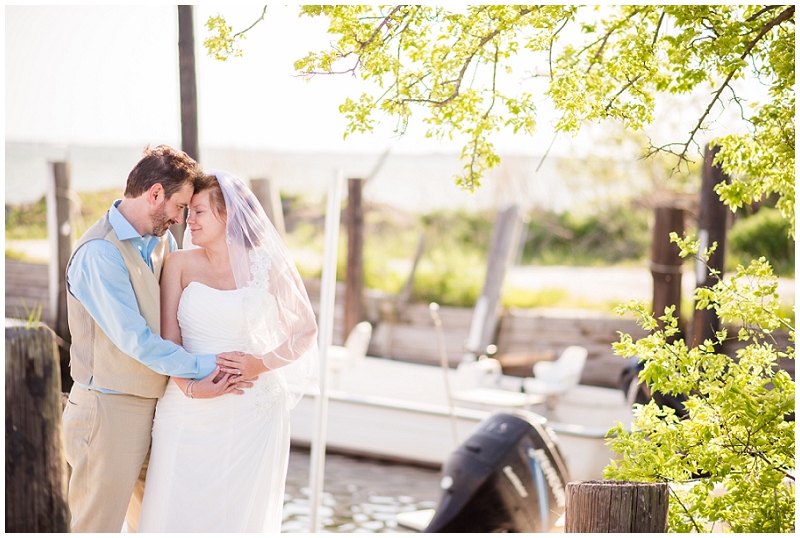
(410, 182)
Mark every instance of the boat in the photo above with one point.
(421, 413)
(400, 411)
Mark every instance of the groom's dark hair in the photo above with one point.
(170, 167)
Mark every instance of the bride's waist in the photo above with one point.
(198, 347)
(267, 381)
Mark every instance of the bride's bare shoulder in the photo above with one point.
(179, 261)
(181, 256)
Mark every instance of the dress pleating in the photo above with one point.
(218, 465)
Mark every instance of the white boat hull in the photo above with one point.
(400, 411)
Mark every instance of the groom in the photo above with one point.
(119, 363)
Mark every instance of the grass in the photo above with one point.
(29, 221)
(12, 254)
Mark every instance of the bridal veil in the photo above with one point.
(262, 264)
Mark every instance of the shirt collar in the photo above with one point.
(123, 228)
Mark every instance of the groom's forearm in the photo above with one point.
(98, 278)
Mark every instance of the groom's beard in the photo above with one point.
(161, 222)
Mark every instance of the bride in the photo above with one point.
(219, 464)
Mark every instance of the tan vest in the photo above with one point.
(92, 353)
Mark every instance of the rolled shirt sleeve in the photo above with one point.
(98, 278)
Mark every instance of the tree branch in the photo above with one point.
(383, 23)
(491, 35)
(604, 40)
(658, 27)
(761, 12)
(261, 18)
(552, 42)
(783, 17)
(621, 91)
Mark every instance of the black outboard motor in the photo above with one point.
(509, 476)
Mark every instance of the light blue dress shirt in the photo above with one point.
(98, 278)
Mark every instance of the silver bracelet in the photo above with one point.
(190, 389)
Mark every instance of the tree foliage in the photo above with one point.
(456, 67)
(731, 459)
(730, 463)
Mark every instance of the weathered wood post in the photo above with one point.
(267, 193)
(610, 506)
(665, 264)
(712, 227)
(61, 234)
(354, 276)
(502, 253)
(188, 88)
(36, 472)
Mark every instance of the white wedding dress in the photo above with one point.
(218, 465)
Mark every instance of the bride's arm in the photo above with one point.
(171, 288)
(172, 284)
(299, 324)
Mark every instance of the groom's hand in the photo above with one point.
(218, 383)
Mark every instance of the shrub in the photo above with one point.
(27, 221)
(730, 461)
(765, 233)
(614, 236)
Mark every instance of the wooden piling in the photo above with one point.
(267, 193)
(61, 233)
(188, 82)
(354, 276)
(666, 262)
(190, 139)
(502, 253)
(712, 227)
(36, 472)
(610, 506)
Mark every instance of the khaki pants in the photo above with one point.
(106, 440)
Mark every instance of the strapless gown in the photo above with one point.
(219, 464)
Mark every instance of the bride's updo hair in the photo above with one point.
(252, 232)
(211, 184)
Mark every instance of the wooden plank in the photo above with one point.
(28, 282)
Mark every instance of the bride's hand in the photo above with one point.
(249, 367)
(218, 383)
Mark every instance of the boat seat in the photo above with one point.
(554, 378)
(476, 382)
(482, 372)
(353, 351)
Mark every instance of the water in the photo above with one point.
(411, 182)
(359, 494)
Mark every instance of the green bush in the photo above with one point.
(449, 277)
(521, 298)
(27, 221)
(12, 254)
(765, 233)
(610, 237)
(460, 228)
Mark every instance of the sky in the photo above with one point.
(108, 75)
